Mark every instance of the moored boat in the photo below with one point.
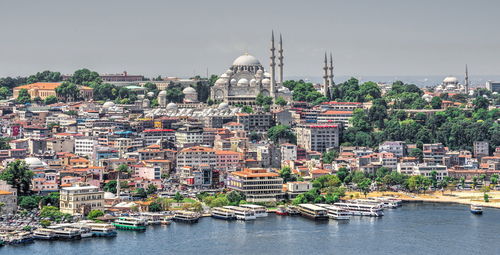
(292, 210)
(282, 211)
(335, 212)
(222, 213)
(166, 220)
(102, 229)
(357, 208)
(186, 217)
(242, 213)
(476, 209)
(130, 223)
(44, 234)
(313, 212)
(259, 210)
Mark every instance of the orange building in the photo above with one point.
(46, 89)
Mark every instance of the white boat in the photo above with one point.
(130, 223)
(64, 231)
(44, 234)
(388, 202)
(476, 209)
(313, 212)
(152, 218)
(186, 217)
(223, 213)
(259, 210)
(102, 229)
(357, 208)
(335, 212)
(242, 213)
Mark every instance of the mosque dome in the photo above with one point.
(189, 90)
(450, 79)
(266, 81)
(450, 87)
(151, 94)
(171, 107)
(233, 81)
(162, 93)
(253, 82)
(32, 162)
(108, 104)
(224, 75)
(243, 82)
(223, 106)
(284, 90)
(246, 60)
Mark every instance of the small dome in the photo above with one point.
(450, 87)
(33, 162)
(108, 104)
(189, 90)
(151, 94)
(171, 107)
(233, 82)
(246, 60)
(140, 97)
(284, 90)
(224, 75)
(266, 74)
(243, 82)
(253, 82)
(229, 72)
(109, 195)
(266, 81)
(450, 79)
(220, 81)
(260, 72)
(223, 106)
(162, 93)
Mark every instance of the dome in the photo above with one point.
(266, 81)
(171, 107)
(243, 82)
(450, 87)
(108, 104)
(151, 94)
(284, 90)
(253, 82)
(450, 79)
(229, 72)
(224, 75)
(233, 82)
(220, 81)
(189, 90)
(109, 195)
(162, 93)
(260, 72)
(33, 162)
(266, 74)
(223, 106)
(246, 60)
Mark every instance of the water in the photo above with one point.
(421, 228)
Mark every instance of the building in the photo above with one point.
(333, 116)
(152, 136)
(481, 149)
(8, 196)
(255, 122)
(85, 146)
(313, 137)
(398, 148)
(247, 78)
(196, 156)
(426, 170)
(229, 160)
(493, 86)
(296, 188)
(288, 152)
(257, 184)
(434, 153)
(81, 199)
(46, 89)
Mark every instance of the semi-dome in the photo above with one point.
(171, 107)
(220, 81)
(266, 81)
(253, 82)
(243, 82)
(246, 60)
(233, 81)
(189, 90)
(162, 93)
(33, 162)
(108, 104)
(450, 79)
(224, 75)
(151, 94)
(223, 106)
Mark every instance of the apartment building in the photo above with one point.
(81, 199)
(257, 184)
(316, 137)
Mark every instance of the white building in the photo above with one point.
(81, 199)
(85, 146)
(288, 152)
(314, 137)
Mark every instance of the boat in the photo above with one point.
(152, 218)
(292, 210)
(102, 229)
(44, 234)
(476, 209)
(282, 211)
(259, 210)
(19, 238)
(186, 217)
(335, 212)
(130, 223)
(223, 213)
(313, 212)
(242, 213)
(388, 202)
(357, 208)
(166, 221)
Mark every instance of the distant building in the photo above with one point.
(46, 89)
(318, 137)
(296, 188)
(493, 86)
(398, 148)
(110, 78)
(481, 149)
(8, 196)
(81, 199)
(258, 185)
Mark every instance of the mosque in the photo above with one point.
(451, 84)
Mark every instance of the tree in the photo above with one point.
(281, 132)
(286, 174)
(480, 103)
(263, 100)
(364, 186)
(197, 207)
(28, 202)
(85, 77)
(436, 103)
(45, 76)
(50, 100)
(234, 197)
(123, 168)
(433, 178)
(68, 92)
(246, 109)
(178, 197)
(281, 101)
(18, 175)
(329, 156)
(94, 214)
(417, 153)
(174, 94)
(4, 92)
(23, 97)
(155, 207)
(140, 192)
(342, 173)
(151, 189)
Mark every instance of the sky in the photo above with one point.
(183, 38)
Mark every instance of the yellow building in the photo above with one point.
(81, 199)
(45, 89)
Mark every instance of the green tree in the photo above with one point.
(50, 100)
(246, 109)
(263, 100)
(174, 94)
(4, 92)
(94, 214)
(68, 92)
(151, 189)
(123, 168)
(178, 197)
(281, 132)
(286, 174)
(234, 197)
(18, 175)
(480, 103)
(45, 76)
(281, 101)
(436, 103)
(329, 156)
(364, 185)
(85, 77)
(23, 97)
(28, 202)
(155, 207)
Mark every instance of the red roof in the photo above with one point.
(159, 130)
(350, 103)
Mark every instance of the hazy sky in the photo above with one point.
(179, 38)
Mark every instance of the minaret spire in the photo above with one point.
(273, 67)
(330, 77)
(325, 77)
(280, 62)
(466, 80)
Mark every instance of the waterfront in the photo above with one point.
(415, 228)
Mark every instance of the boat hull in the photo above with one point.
(282, 213)
(101, 234)
(220, 217)
(127, 227)
(477, 212)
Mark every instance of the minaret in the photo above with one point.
(118, 186)
(280, 62)
(330, 77)
(273, 67)
(466, 80)
(325, 78)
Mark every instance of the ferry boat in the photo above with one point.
(390, 203)
(292, 210)
(223, 213)
(476, 209)
(259, 210)
(65, 232)
(362, 209)
(313, 212)
(44, 234)
(152, 218)
(186, 217)
(130, 223)
(102, 229)
(282, 211)
(335, 212)
(242, 213)
(18, 238)
(166, 220)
